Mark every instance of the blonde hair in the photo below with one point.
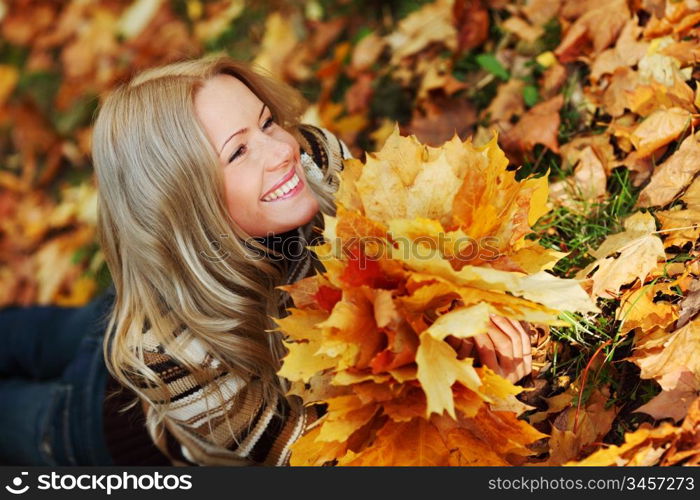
(161, 205)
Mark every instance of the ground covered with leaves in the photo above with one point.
(597, 97)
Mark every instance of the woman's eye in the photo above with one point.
(267, 124)
(238, 153)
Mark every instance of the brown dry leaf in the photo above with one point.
(555, 404)
(637, 448)
(430, 24)
(358, 96)
(690, 305)
(367, 51)
(572, 151)
(441, 119)
(137, 16)
(594, 422)
(439, 76)
(553, 80)
(639, 250)
(680, 389)
(659, 128)
(215, 23)
(25, 20)
(35, 139)
(277, 45)
(673, 175)
(645, 99)
(323, 34)
(591, 156)
(686, 52)
(55, 267)
(540, 125)
(665, 445)
(589, 176)
(596, 29)
(541, 11)
(507, 103)
(680, 226)
(166, 38)
(679, 353)
(684, 450)
(627, 52)
(615, 97)
(573, 9)
(641, 168)
(92, 45)
(521, 28)
(308, 51)
(639, 310)
(473, 20)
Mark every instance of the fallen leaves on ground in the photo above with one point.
(586, 92)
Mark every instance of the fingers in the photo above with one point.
(507, 350)
(487, 352)
(521, 360)
(527, 347)
(463, 347)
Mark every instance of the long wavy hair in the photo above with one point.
(161, 205)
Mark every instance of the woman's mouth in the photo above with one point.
(291, 188)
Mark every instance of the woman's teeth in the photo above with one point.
(284, 189)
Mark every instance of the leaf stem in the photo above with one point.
(583, 381)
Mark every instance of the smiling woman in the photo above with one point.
(265, 186)
(210, 192)
(221, 163)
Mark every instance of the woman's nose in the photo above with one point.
(277, 153)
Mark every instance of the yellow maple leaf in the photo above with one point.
(307, 451)
(346, 414)
(413, 443)
(304, 360)
(438, 369)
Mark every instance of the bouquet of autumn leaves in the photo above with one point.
(426, 243)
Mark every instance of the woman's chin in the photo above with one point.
(287, 216)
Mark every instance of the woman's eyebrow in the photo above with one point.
(262, 110)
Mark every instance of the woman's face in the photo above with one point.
(260, 160)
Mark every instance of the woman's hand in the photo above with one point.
(505, 348)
